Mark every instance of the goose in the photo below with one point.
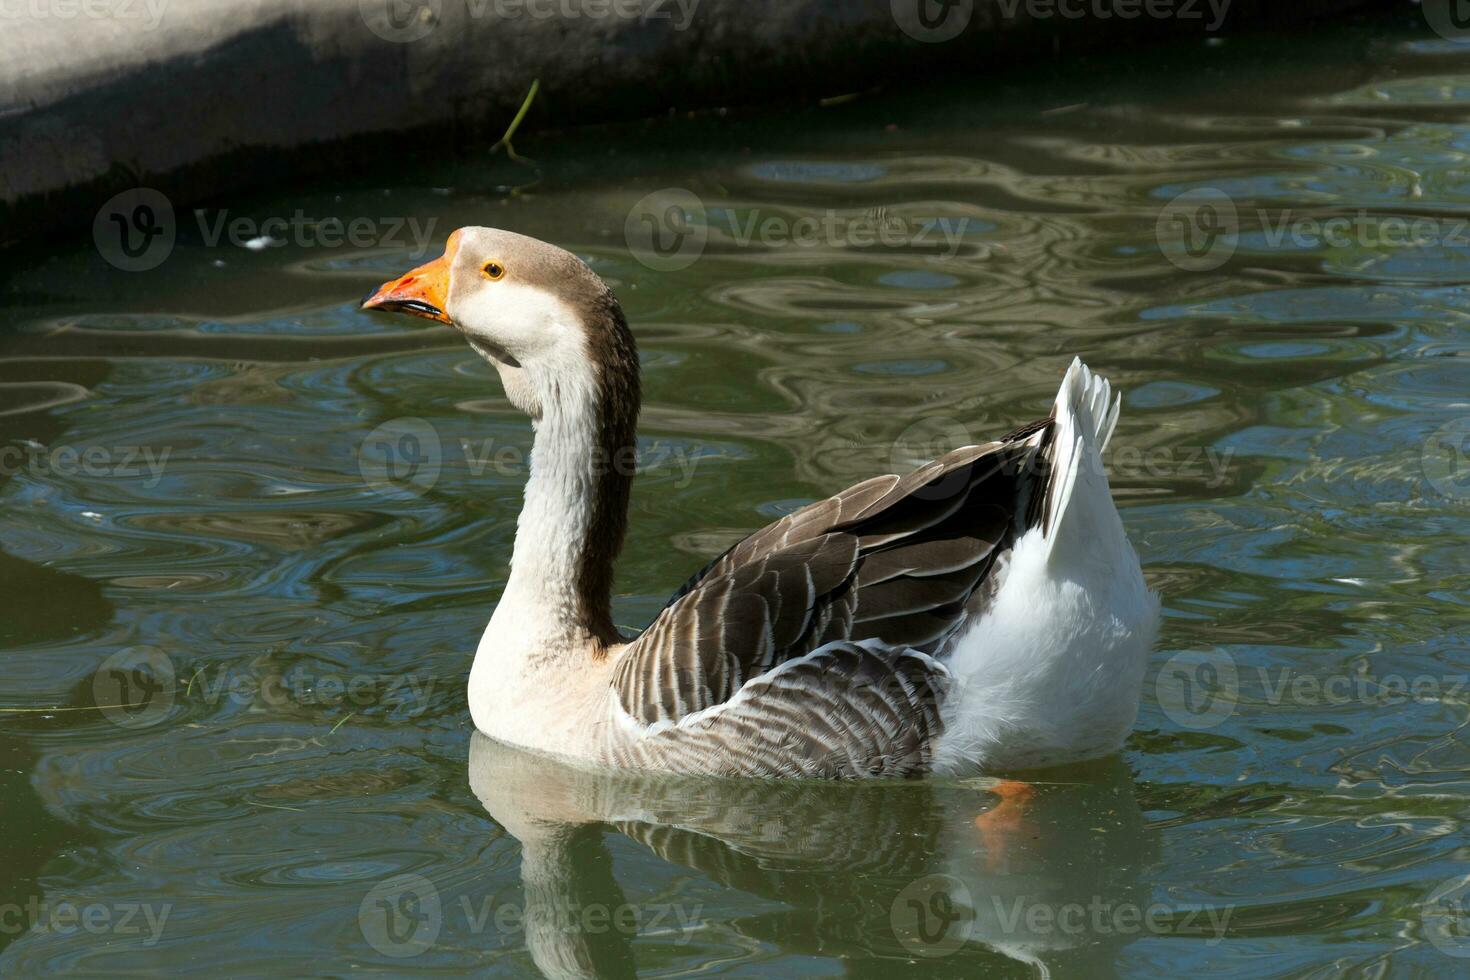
(983, 613)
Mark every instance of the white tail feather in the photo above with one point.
(1086, 414)
(1053, 667)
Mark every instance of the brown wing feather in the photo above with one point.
(895, 559)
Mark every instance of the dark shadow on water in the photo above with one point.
(33, 837)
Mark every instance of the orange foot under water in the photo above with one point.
(1004, 824)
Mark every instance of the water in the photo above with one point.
(1290, 465)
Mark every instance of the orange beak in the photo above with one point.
(422, 292)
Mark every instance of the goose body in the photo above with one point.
(984, 612)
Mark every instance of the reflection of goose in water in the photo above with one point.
(881, 877)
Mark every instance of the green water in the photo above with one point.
(1290, 465)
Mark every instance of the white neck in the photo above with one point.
(541, 603)
(540, 659)
(549, 638)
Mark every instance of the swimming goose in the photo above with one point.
(984, 612)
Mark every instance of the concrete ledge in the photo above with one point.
(197, 97)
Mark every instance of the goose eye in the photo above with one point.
(493, 271)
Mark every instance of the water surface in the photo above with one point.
(197, 519)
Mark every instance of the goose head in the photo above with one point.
(539, 314)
